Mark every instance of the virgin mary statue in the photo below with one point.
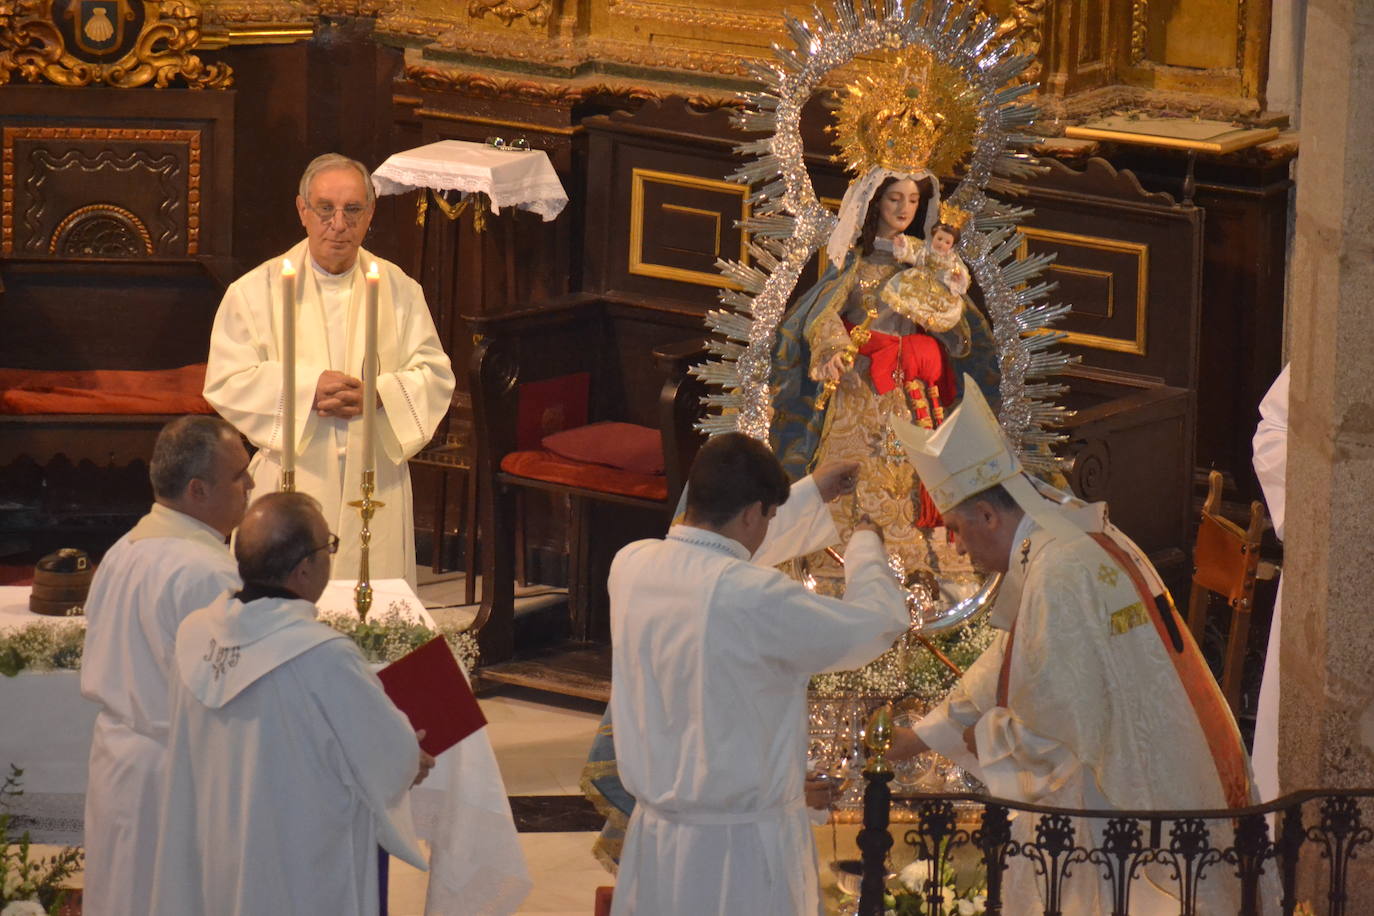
(889, 330)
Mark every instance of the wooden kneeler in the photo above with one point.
(1225, 562)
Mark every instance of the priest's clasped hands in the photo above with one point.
(338, 394)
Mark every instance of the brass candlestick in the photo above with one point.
(367, 507)
(288, 480)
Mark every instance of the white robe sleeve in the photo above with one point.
(243, 377)
(376, 739)
(803, 525)
(1058, 696)
(1271, 448)
(416, 395)
(799, 631)
(942, 729)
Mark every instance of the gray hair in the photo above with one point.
(334, 161)
(276, 534)
(185, 451)
(995, 496)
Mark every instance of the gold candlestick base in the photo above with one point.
(288, 481)
(367, 507)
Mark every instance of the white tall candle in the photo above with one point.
(370, 370)
(288, 368)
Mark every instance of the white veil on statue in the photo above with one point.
(854, 207)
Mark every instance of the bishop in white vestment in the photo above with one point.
(287, 764)
(171, 563)
(713, 650)
(1096, 696)
(243, 380)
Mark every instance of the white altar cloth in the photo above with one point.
(476, 866)
(523, 179)
(387, 595)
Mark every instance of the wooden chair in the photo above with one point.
(447, 453)
(580, 360)
(1225, 562)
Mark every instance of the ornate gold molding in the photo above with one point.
(536, 11)
(1140, 29)
(264, 13)
(1025, 22)
(70, 43)
(485, 85)
(697, 16)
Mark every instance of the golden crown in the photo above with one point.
(907, 113)
(952, 215)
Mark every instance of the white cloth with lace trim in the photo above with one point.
(510, 178)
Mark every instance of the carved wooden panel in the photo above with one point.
(680, 224)
(103, 173)
(84, 192)
(1130, 264)
(664, 212)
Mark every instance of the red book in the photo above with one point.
(428, 686)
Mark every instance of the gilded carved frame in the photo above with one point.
(639, 266)
(1135, 345)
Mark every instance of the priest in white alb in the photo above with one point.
(171, 563)
(1095, 696)
(287, 764)
(244, 379)
(713, 650)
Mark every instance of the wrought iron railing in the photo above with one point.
(1185, 848)
(1191, 846)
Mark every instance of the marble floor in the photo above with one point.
(541, 742)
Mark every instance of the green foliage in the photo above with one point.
(24, 876)
(383, 638)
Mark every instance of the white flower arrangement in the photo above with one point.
(24, 908)
(383, 638)
(29, 885)
(962, 898)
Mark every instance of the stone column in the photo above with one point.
(1326, 719)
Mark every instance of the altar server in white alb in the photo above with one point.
(1271, 467)
(287, 764)
(415, 381)
(1096, 695)
(713, 652)
(171, 563)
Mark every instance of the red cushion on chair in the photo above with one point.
(103, 391)
(546, 466)
(637, 449)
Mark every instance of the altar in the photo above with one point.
(461, 810)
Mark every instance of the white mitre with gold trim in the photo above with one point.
(968, 454)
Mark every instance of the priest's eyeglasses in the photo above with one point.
(331, 545)
(351, 213)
